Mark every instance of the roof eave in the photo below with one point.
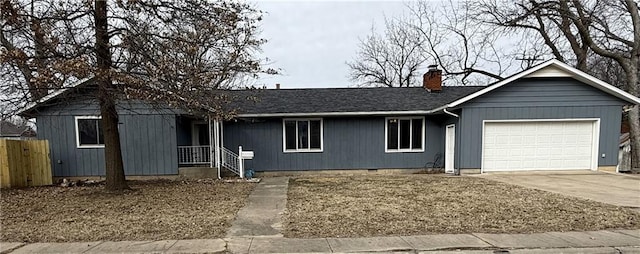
(358, 113)
(26, 110)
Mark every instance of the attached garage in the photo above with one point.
(547, 118)
(540, 145)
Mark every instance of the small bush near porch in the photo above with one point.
(154, 210)
(360, 206)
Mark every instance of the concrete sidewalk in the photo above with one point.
(262, 214)
(616, 241)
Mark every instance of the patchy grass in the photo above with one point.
(154, 210)
(361, 206)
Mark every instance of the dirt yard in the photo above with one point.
(152, 211)
(360, 206)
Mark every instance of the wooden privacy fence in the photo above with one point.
(24, 163)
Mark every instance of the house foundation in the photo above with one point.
(198, 172)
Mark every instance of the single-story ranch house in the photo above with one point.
(548, 117)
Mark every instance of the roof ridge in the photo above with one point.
(343, 88)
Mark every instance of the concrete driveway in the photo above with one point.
(615, 189)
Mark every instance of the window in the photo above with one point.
(302, 135)
(89, 132)
(405, 134)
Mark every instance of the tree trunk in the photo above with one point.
(107, 97)
(634, 120)
(633, 83)
(112, 152)
(634, 134)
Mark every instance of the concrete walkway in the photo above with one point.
(616, 241)
(609, 188)
(262, 215)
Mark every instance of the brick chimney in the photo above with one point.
(277, 85)
(432, 80)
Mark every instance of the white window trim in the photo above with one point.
(78, 133)
(304, 150)
(399, 150)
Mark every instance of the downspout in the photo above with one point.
(456, 171)
(450, 113)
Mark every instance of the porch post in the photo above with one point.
(212, 153)
(217, 146)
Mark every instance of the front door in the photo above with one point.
(200, 142)
(449, 154)
(200, 134)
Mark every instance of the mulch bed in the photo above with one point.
(375, 205)
(153, 210)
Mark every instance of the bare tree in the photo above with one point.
(440, 33)
(608, 70)
(467, 51)
(486, 38)
(163, 52)
(576, 31)
(36, 54)
(390, 59)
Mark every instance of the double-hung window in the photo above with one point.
(89, 132)
(302, 135)
(404, 134)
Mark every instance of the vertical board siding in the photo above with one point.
(544, 92)
(148, 141)
(610, 118)
(349, 143)
(541, 98)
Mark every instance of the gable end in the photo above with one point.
(546, 92)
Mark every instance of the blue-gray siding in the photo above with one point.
(544, 92)
(540, 99)
(148, 139)
(349, 143)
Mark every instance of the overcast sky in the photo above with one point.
(311, 41)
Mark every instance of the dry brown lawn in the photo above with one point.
(154, 210)
(361, 206)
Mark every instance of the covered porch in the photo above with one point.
(200, 144)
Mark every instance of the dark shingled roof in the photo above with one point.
(330, 100)
(8, 129)
(313, 100)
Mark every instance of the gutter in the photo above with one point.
(450, 113)
(361, 113)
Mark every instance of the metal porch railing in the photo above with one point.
(198, 155)
(193, 155)
(230, 161)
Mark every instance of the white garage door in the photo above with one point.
(544, 145)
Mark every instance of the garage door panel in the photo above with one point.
(543, 145)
